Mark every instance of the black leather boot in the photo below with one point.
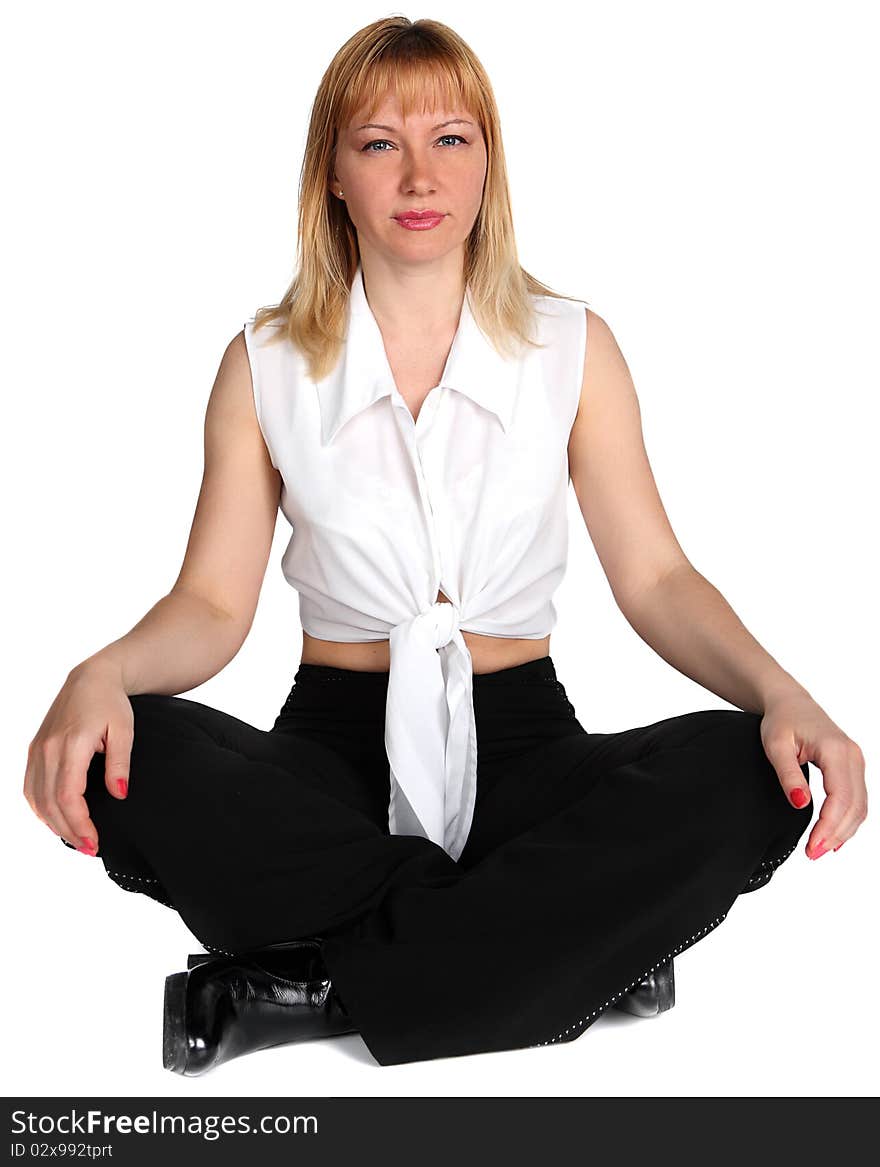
(227, 1006)
(654, 994)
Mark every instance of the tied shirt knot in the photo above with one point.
(430, 729)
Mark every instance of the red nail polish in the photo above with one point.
(88, 847)
(839, 845)
(799, 797)
(820, 849)
(122, 786)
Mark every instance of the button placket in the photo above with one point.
(432, 471)
(414, 433)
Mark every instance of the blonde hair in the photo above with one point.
(423, 63)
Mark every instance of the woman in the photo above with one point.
(427, 848)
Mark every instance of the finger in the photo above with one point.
(852, 820)
(825, 834)
(75, 810)
(39, 792)
(784, 758)
(858, 810)
(846, 803)
(66, 798)
(33, 780)
(118, 759)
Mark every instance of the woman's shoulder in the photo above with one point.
(268, 343)
(266, 325)
(560, 319)
(558, 306)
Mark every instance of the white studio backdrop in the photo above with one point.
(703, 176)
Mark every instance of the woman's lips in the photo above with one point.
(419, 222)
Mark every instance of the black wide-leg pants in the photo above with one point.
(592, 856)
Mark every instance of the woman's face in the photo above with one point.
(433, 161)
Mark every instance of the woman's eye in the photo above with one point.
(368, 148)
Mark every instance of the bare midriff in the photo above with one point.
(489, 654)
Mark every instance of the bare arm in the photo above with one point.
(176, 646)
(188, 636)
(194, 632)
(672, 607)
(688, 622)
(680, 614)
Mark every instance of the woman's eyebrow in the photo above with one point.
(393, 130)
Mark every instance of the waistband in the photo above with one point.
(532, 672)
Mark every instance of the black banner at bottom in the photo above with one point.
(438, 1130)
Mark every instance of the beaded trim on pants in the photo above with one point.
(759, 879)
(576, 1028)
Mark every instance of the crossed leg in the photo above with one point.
(590, 861)
(253, 837)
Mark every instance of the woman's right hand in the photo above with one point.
(91, 714)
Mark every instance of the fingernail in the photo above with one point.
(88, 847)
(122, 787)
(799, 797)
(820, 849)
(839, 845)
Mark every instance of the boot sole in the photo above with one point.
(174, 1054)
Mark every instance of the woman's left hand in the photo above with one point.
(794, 730)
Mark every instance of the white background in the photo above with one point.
(702, 175)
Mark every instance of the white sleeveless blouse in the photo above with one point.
(386, 512)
